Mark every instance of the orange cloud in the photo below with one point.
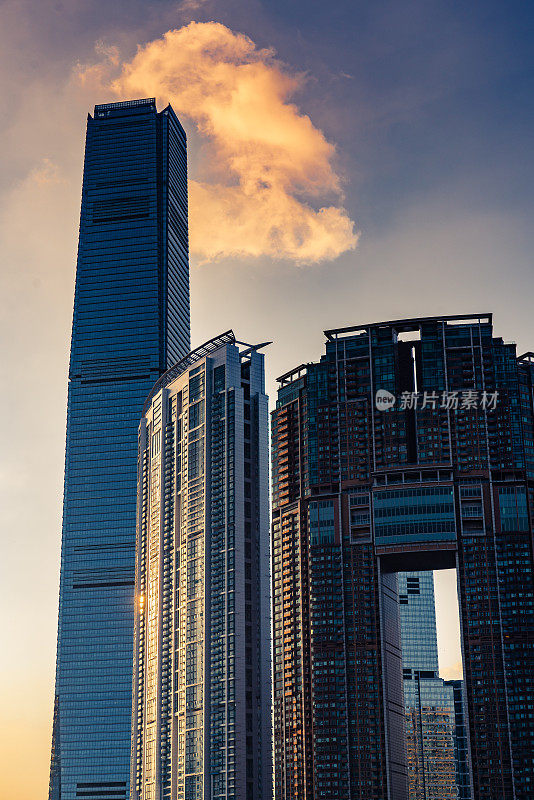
(96, 75)
(46, 172)
(270, 166)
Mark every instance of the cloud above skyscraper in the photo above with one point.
(269, 187)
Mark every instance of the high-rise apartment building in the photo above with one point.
(428, 700)
(201, 726)
(408, 447)
(461, 744)
(131, 322)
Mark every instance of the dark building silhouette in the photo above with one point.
(130, 323)
(409, 446)
(461, 746)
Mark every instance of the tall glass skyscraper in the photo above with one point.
(131, 322)
(428, 700)
(409, 446)
(461, 744)
(202, 693)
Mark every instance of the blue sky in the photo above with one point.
(430, 107)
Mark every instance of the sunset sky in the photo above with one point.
(349, 162)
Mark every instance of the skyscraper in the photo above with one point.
(428, 700)
(202, 689)
(461, 745)
(408, 447)
(131, 321)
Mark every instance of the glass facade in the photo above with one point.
(439, 479)
(130, 322)
(429, 704)
(429, 701)
(418, 622)
(410, 515)
(201, 723)
(461, 745)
